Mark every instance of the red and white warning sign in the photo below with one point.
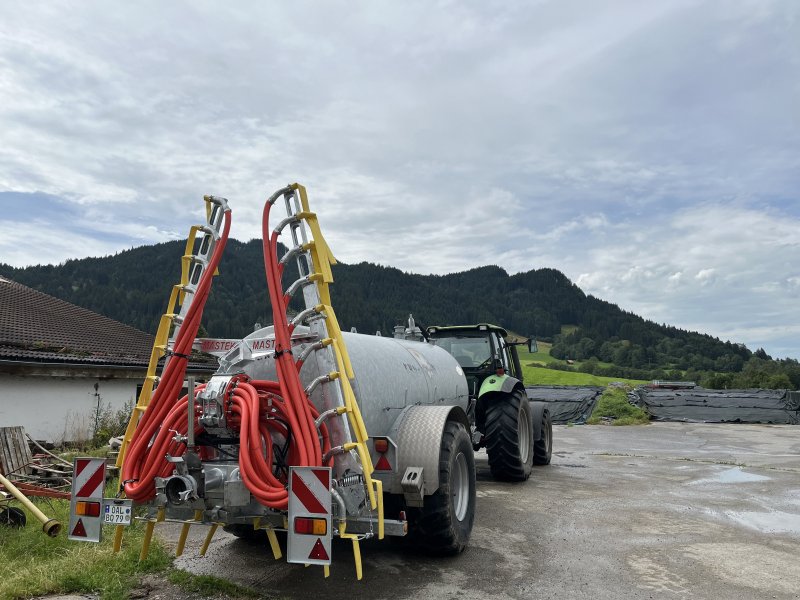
(309, 537)
(86, 507)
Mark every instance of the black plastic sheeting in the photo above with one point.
(719, 406)
(567, 403)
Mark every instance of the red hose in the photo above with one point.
(260, 410)
(145, 458)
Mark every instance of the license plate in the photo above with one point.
(117, 512)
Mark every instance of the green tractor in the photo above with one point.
(516, 432)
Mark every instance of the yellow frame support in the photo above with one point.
(176, 298)
(323, 259)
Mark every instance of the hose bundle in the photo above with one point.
(264, 412)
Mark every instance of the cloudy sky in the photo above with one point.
(649, 150)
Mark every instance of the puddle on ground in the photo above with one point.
(734, 475)
(767, 522)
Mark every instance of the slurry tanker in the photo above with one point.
(309, 432)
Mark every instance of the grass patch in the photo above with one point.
(614, 404)
(35, 564)
(100, 452)
(206, 585)
(543, 376)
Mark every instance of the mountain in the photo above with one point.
(133, 286)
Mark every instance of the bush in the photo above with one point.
(111, 423)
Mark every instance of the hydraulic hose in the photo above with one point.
(262, 411)
(146, 457)
(293, 414)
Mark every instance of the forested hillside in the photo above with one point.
(133, 286)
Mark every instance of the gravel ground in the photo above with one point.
(668, 510)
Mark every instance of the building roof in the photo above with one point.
(36, 327)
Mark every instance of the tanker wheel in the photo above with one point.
(543, 447)
(509, 437)
(12, 517)
(443, 525)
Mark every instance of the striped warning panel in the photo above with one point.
(310, 533)
(86, 506)
(89, 477)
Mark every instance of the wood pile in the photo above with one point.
(40, 474)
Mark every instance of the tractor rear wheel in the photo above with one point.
(509, 437)
(543, 447)
(443, 525)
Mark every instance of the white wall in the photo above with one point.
(55, 408)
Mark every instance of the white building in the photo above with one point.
(60, 364)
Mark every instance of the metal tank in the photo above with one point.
(390, 373)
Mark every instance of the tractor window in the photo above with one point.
(470, 352)
(503, 351)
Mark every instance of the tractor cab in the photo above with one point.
(481, 351)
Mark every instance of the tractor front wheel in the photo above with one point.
(509, 437)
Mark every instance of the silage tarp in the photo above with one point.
(567, 403)
(720, 406)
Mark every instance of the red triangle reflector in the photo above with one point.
(318, 551)
(383, 464)
(79, 530)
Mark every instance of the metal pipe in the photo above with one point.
(190, 430)
(50, 526)
(46, 451)
(337, 497)
(317, 381)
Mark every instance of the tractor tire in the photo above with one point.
(443, 525)
(509, 437)
(543, 447)
(12, 517)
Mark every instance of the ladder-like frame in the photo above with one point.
(193, 264)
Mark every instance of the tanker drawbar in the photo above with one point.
(304, 432)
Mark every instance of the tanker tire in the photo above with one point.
(509, 437)
(543, 447)
(443, 526)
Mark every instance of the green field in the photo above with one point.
(535, 374)
(545, 376)
(542, 356)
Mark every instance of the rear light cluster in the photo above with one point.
(381, 445)
(87, 509)
(309, 526)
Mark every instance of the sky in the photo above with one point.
(649, 150)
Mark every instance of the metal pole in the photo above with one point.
(50, 526)
(190, 431)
